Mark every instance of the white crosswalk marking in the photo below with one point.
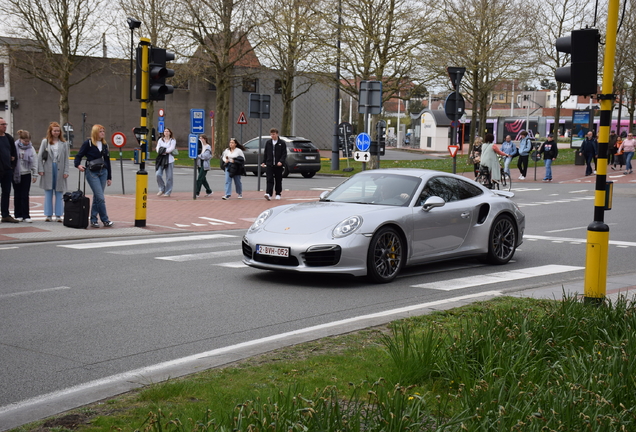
(574, 240)
(236, 264)
(217, 221)
(153, 240)
(201, 256)
(471, 281)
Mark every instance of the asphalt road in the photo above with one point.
(76, 311)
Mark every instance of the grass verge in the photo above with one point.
(504, 365)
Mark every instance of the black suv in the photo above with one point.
(302, 156)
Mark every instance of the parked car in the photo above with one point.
(302, 156)
(379, 221)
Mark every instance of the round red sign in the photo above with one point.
(118, 139)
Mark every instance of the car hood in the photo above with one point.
(312, 217)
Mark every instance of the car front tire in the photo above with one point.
(386, 254)
(502, 241)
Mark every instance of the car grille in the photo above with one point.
(291, 261)
(247, 250)
(322, 256)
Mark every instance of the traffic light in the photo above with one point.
(158, 73)
(582, 45)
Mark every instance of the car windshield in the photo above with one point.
(377, 188)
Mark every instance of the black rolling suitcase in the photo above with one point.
(77, 207)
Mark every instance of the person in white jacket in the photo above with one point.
(165, 146)
(203, 162)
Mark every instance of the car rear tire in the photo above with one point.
(386, 254)
(285, 171)
(502, 241)
(308, 174)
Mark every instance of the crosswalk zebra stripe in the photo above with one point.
(153, 240)
(201, 256)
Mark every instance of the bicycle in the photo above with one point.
(484, 179)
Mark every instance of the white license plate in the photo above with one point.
(272, 250)
(310, 157)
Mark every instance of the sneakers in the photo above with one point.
(225, 197)
(240, 196)
(277, 197)
(9, 219)
(58, 219)
(166, 195)
(267, 197)
(109, 224)
(94, 225)
(159, 193)
(27, 220)
(48, 219)
(521, 177)
(613, 167)
(209, 195)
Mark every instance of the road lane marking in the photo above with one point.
(505, 276)
(201, 256)
(574, 240)
(45, 290)
(174, 248)
(235, 264)
(220, 221)
(154, 240)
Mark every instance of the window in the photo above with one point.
(278, 86)
(449, 189)
(211, 84)
(1, 74)
(250, 85)
(502, 96)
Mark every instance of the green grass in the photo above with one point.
(504, 365)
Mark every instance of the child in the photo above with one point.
(24, 174)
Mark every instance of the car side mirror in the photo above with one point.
(432, 202)
(323, 195)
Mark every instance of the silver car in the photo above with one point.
(379, 221)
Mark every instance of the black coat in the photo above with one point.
(7, 151)
(92, 152)
(279, 153)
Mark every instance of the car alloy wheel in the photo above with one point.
(502, 241)
(385, 257)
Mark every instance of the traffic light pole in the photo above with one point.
(141, 190)
(598, 231)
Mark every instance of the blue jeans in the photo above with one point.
(166, 187)
(548, 169)
(48, 197)
(628, 160)
(507, 164)
(97, 181)
(237, 184)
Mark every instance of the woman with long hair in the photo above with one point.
(53, 167)
(23, 174)
(97, 171)
(165, 146)
(234, 160)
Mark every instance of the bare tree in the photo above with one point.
(62, 34)
(218, 31)
(478, 35)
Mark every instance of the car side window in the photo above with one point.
(467, 190)
(446, 188)
(251, 145)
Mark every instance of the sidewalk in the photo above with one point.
(181, 214)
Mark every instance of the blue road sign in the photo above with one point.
(193, 141)
(161, 125)
(363, 142)
(196, 121)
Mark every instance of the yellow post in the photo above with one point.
(598, 231)
(141, 192)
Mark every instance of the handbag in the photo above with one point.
(175, 152)
(95, 164)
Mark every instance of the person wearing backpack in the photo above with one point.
(525, 147)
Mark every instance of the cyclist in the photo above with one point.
(489, 152)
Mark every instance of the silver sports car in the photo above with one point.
(379, 221)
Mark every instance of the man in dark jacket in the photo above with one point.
(8, 160)
(589, 150)
(274, 158)
(550, 151)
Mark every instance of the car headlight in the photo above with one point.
(260, 220)
(347, 226)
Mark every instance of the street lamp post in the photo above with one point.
(132, 25)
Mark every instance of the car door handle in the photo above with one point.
(465, 215)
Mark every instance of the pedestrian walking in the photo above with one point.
(589, 150)
(550, 151)
(166, 145)
(24, 173)
(234, 160)
(203, 162)
(619, 156)
(510, 149)
(275, 156)
(627, 147)
(475, 154)
(8, 160)
(525, 147)
(53, 167)
(97, 171)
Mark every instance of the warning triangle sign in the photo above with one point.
(452, 149)
(242, 119)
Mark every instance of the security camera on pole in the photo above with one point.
(454, 108)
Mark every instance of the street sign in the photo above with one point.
(242, 119)
(161, 112)
(193, 141)
(452, 149)
(456, 74)
(211, 114)
(361, 156)
(68, 127)
(118, 139)
(196, 121)
(454, 109)
(363, 142)
(370, 97)
(259, 105)
(161, 125)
